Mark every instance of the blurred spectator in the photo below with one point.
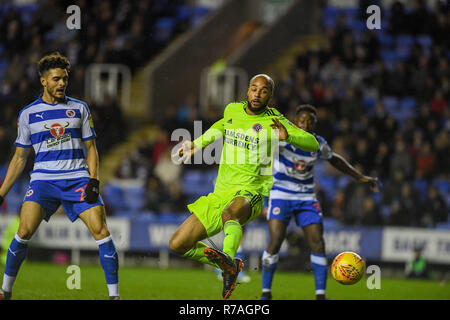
(434, 208)
(438, 103)
(425, 161)
(351, 107)
(401, 160)
(392, 190)
(409, 206)
(371, 213)
(166, 171)
(417, 267)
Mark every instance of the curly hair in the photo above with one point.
(53, 61)
(307, 108)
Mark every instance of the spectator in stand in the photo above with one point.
(401, 160)
(438, 104)
(392, 190)
(442, 149)
(370, 215)
(434, 209)
(425, 161)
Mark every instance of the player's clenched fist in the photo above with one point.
(92, 191)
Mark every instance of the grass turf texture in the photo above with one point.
(41, 281)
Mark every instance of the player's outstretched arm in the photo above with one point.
(342, 165)
(188, 148)
(15, 168)
(288, 132)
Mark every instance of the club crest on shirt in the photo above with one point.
(257, 127)
(70, 113)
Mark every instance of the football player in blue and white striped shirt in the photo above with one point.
(293, 195)
(58, 127)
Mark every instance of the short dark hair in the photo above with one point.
(53, 61)
(307, 108)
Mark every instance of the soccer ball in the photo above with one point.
(348, 268)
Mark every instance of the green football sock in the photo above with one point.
(233, 237)
(196, 253)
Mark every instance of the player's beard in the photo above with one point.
(256, 110)
(54, 94)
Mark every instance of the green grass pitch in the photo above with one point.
(44, 281)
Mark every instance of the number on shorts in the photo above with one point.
(82, 190)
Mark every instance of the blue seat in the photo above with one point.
(357, 25)
(442, 185)
(389, 57)
(328, 184)
(134, 198)
(199, 13)
(403, 53)
(424, 40)
(390, 103)
(27, 12)
(164, 28)
(330, 223)
(170, 218)
(113, 195)
(408, 103)
(328, 22)
(421, 187)
(183, 12)
(385, 211)
(443, 225)
(369, 103)
(405, 40)
(386, 40)
(330, 11)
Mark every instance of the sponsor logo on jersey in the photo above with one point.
(58, 132)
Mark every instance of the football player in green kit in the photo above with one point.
(251, 131)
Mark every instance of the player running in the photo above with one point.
(293, 195)
(245, 175)
(58, 127)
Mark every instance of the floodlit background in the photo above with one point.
(146, 68)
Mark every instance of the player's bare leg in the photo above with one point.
(277, 232)
(314, 235)
(186, 240)
(95, 220)
(31, 216)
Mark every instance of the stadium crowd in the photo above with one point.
(127, 32)
(382, 98)
(383, 103)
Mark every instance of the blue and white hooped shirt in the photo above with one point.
(56, 132)
(293, 177)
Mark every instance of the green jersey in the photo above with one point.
(249, 147)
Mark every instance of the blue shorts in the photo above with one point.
(305, 212)
(51, 194)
